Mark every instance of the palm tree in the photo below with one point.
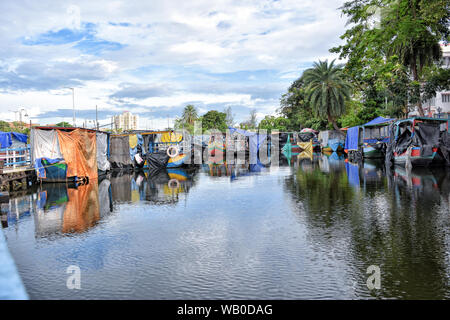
(327, 90)
(189, 114)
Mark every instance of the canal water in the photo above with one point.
(307, 230)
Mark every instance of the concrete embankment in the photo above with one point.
(11, 286)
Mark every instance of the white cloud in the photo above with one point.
(179, 51)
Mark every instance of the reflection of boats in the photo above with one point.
(165, 186)
(61, 209)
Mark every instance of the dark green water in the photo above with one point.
(309, 231)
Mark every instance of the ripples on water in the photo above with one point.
(305, 231)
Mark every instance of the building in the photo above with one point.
(440, 105)
(126, 121)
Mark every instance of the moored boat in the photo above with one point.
(417, 141)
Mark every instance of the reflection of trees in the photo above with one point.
(396, 220)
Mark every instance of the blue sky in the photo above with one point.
(152, 58)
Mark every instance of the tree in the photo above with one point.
(4, 126)
(214, 120)
(295, 108)
(270, 123)
(327, 90)
(409, 30)
(63, 124)
(189, 114)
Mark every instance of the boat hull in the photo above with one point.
(177, 161)
(416, 159)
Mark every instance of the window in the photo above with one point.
(446, 97)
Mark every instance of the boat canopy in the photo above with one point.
(352, 139)
(378, 121)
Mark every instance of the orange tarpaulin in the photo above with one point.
(82, 210)
(79, 149)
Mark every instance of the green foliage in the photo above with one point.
(214, 120)
(270, 123)
(63, 124)
(327, 90)
(4, 126)
(189, 114)
(385, 35)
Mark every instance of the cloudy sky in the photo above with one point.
(154, 57)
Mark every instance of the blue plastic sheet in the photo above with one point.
(6, 138)
(377, 120)
(351, 141)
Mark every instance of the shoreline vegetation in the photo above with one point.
(393, 65)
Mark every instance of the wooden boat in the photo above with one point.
(416, 140)
(375, 136)
(162, 141)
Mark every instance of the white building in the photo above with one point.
(126, 121)
(441, 103)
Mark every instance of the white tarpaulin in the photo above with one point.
(102, 152)
(45, 144)
(323, 138)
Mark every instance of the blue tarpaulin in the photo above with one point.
(6, 138)
(377, 120)
(351, 141)
(255, 141)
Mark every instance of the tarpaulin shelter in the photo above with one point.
(103, 151)
(120, 151)
(352, 140)
(74, 147)
(256, 140)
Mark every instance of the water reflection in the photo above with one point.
(396, 219)
(308, 230)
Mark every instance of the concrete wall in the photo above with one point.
(11, 286)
